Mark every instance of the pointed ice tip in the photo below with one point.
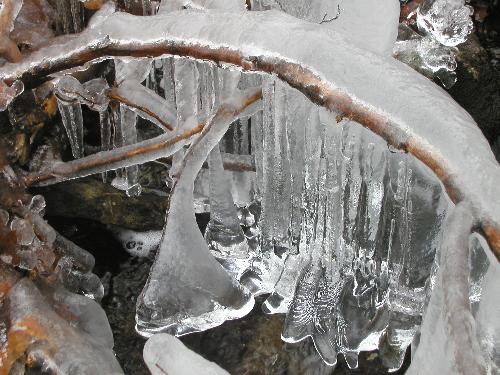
(351, 359)
(325, 347)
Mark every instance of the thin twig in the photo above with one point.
(326, 20)
(115, 95)
(127, 156)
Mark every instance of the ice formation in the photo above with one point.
(340, 229)
(444, 25)
(449, 21)
(456, 337)
(185, 294)
(165, 354)
(426, 55)
(74, 337)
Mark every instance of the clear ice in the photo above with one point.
(338, 229)
(448, 21)
(187, 289)
(166, 354)
(460, 330)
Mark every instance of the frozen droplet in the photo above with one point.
(24, 231)
(37, 204)
(448, 21)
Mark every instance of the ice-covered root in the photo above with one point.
(166, 354)
(187, 289)
(70, 336)
(448, 342)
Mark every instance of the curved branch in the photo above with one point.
(387, 97)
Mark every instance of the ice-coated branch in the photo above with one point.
(449, 343)
(377, 91)
(152, 106)
(141, 152)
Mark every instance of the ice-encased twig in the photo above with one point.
(139, 153)
(338, 75)
(448, 342)
(188, 290)
(147, 103)
(80, 257)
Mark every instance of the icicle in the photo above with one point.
(70, 94)
(223, 233)
(71, 114)
(186, 294)
(185, 86)
(105, 130)
(276, 172)
(127, 179)
(186, 80)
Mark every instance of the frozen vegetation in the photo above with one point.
(351, 210)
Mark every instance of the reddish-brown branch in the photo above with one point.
(115, 95)
(107, 159)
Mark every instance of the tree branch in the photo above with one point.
(364, 87)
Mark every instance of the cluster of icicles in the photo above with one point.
(337, 228)
(345, 235)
